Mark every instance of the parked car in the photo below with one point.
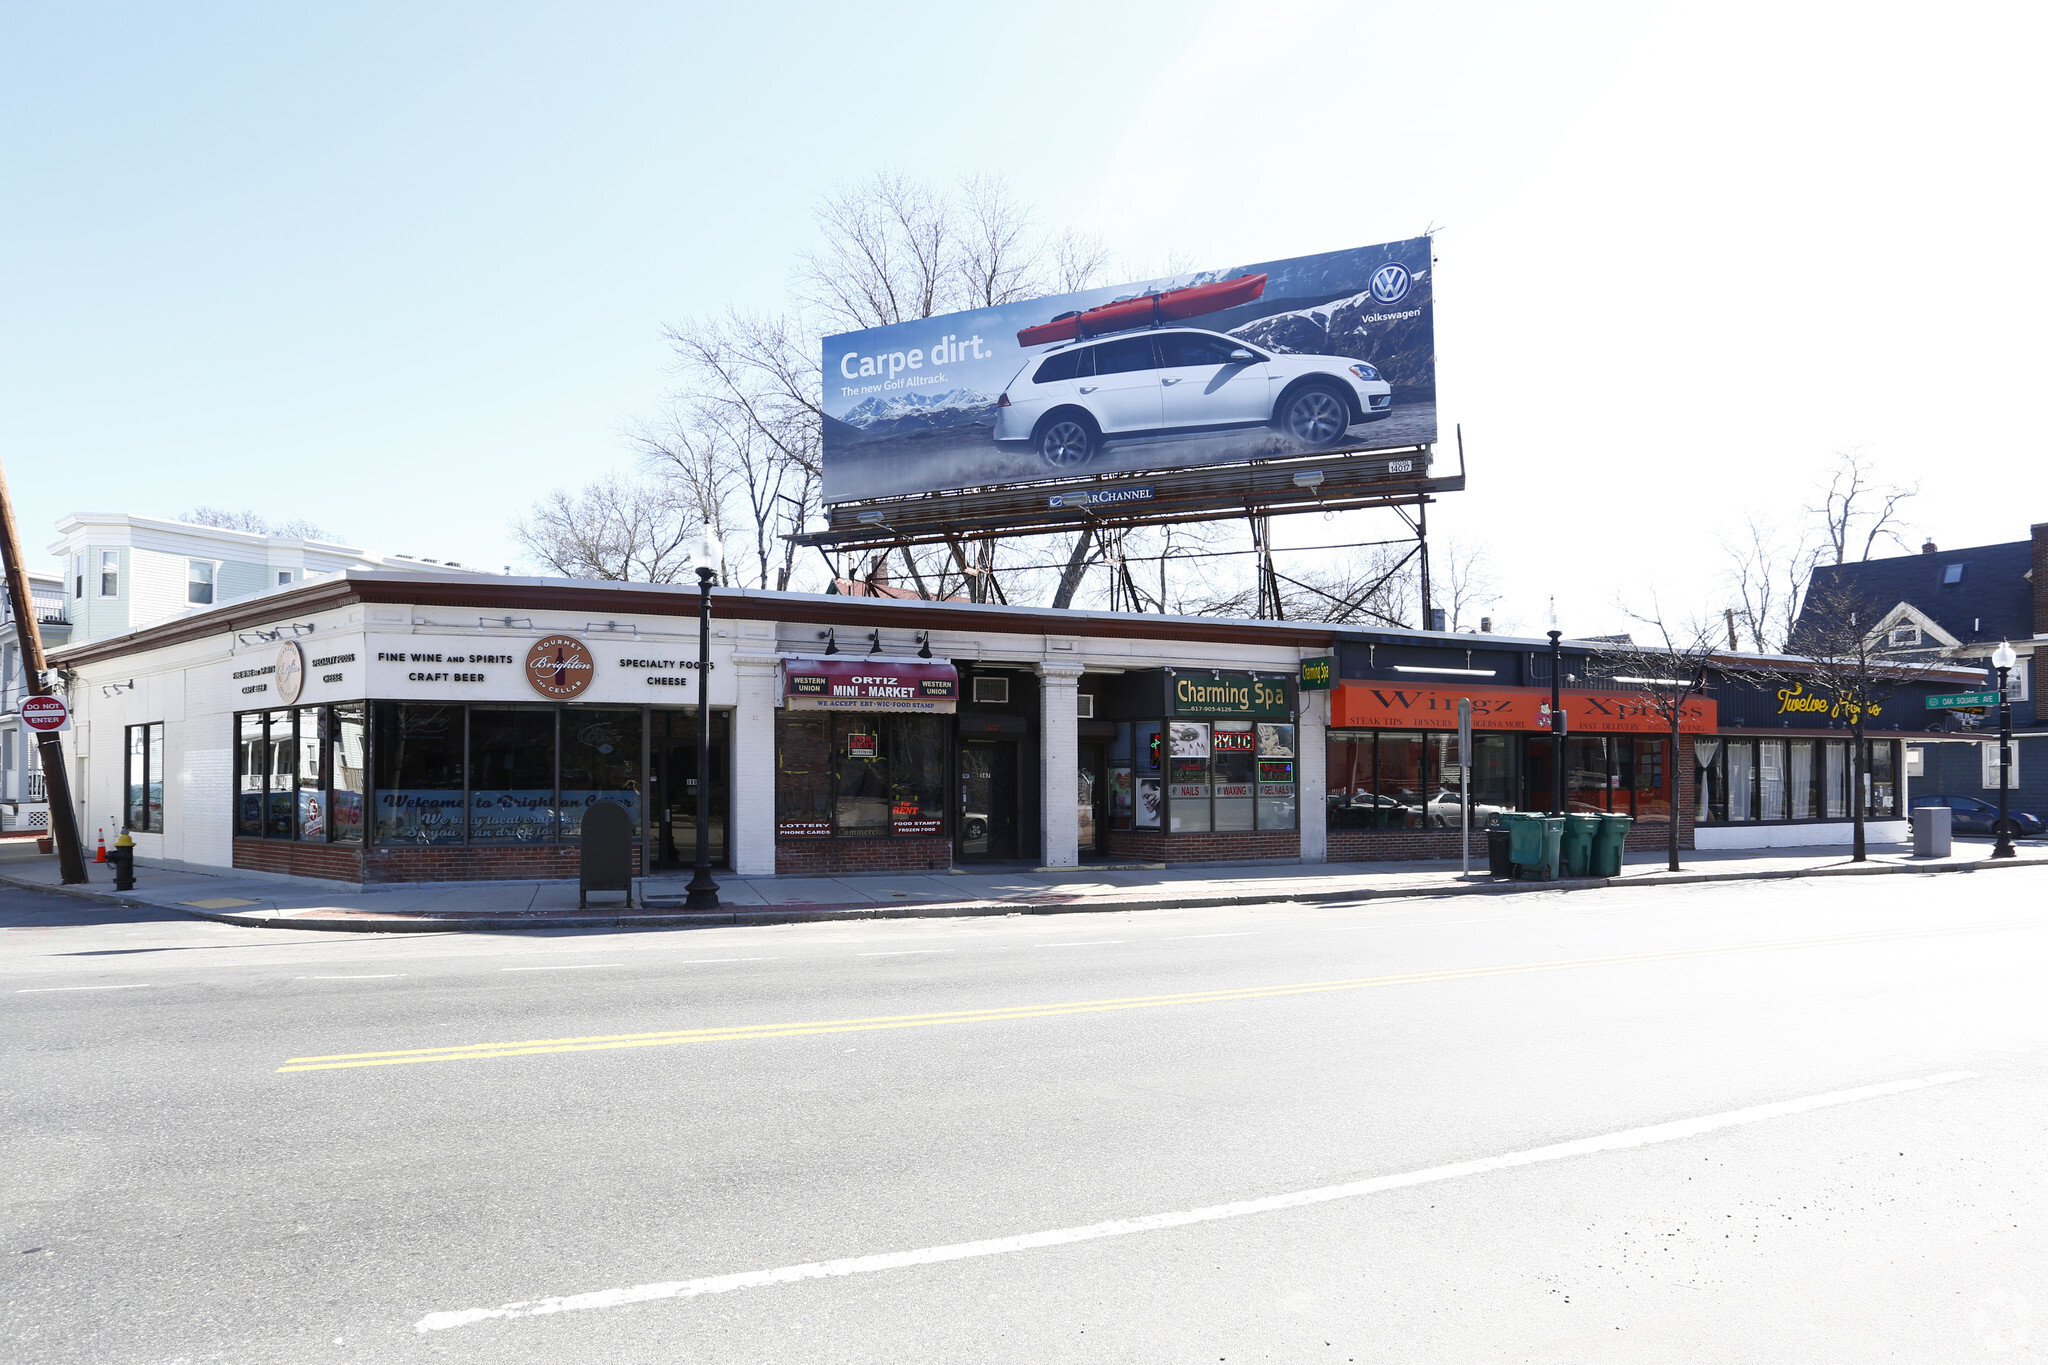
(1443, 811)
(1973, 815)
(1067, 402)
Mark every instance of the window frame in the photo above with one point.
(211, 582)
(110, 570)
(149, 738)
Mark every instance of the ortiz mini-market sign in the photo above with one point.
(870, 684)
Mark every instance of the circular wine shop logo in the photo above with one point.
(560, 666)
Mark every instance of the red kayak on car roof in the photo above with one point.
(1172, 305)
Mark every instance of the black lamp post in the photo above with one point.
(703, 891)
(1556, 715)
(2003, 659)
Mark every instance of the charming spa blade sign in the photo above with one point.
(869, 684)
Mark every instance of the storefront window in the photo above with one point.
(279, 818)
(1401, 764)
(1588, 784)
(347, 751)
(1884, 789)
(1234, 765)
(860, 794)
(1348, 798)
(1652, 781)
(1711, 780)
(311, 804)
(1187, 777)
(1741, 759)
(145, 773)
(252, 770)
(1835, 800)
(917, 772)
(1149, 749)
(1278, 775)
(1801, 790)
(1771, 779)
(600, 762)
(418, 755)
(511, 774)
(803, 776)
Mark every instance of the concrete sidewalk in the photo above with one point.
(658, 901)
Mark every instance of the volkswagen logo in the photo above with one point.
(1390, 282)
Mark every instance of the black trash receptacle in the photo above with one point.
(1498, 863)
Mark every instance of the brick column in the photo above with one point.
(753, 764)
(1059, 749)
(1311, 776)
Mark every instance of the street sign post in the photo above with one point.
(45, 715)
(1957, 700)
(1464, 786)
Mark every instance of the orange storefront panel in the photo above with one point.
(1392, 706)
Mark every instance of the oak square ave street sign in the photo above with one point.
(1958, 699)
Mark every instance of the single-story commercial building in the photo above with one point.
(384, 726)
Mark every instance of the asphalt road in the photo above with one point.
(254, 1146)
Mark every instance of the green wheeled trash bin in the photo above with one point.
(1553, 845)
(1525, 842)
(1609, 843)
(1577, 854)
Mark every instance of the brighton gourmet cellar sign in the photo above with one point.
(560, 667)
(870, 684)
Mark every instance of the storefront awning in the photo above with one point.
(1393, 706)
(870, 683)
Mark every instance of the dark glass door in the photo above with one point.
(672, 764)
(988, 799)
(1091, 793)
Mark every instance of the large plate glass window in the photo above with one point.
(418, 760)
(279, 812)
(145, 784)
(860, 790)
(310, 763)
(512, 774)
(1234, 764)
(1277, 774)
(252, 770)
(600, 762)
(803, 776)
(1187, 775)
(1884, 783)
(1741, 759)
(917, 774)
(347, 752)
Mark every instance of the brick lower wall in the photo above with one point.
(1156, 846)
(455, 863)
(823, 857)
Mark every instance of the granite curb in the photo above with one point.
(662, 917)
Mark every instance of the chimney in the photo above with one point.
(1486, 624)
(1930, 547)
(2040, 577)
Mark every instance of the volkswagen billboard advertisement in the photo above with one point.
(1328, 352)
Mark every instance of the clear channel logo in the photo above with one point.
(1390, 282)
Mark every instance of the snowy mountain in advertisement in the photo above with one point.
(895, 407)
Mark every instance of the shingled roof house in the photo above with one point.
(1959, 605)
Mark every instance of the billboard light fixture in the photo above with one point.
(1459, 672)
(1309, 478)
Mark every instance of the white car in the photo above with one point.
(1067, 402)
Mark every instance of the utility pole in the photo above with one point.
(56, 786)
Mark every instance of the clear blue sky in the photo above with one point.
(402, 269)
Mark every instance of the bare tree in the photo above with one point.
(1768, 578)
(1841, 665)
(1856, 509)
(1666, 676)
(1464, 581)
(623, 530)
(255, 523)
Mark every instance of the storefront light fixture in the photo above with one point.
(1460, 672)
(831, 639)
(874, 642)
(924, 645)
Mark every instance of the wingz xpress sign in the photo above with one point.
(1328, 352)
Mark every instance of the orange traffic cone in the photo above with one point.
(101, 856)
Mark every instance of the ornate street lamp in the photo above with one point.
(2003, 659)
(1556, 715)
(706, 553)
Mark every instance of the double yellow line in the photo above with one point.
(473, 1052)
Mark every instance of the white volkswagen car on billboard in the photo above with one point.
(1066, 403)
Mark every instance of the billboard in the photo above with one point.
(1328, 352)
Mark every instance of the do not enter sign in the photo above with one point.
(45, 714)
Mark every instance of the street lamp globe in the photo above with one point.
(2004, 656)
(708, 551)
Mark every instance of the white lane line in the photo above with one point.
(905, 952)
(998, 1246)
(564, 967)
(1090, 943)
(45, 990)
(1237, 933)
(701, 961)
(374, 976)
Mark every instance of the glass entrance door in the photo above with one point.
(672, 775)
(988, 799)
(1090, 793)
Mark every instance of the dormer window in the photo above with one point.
(1904, 637)
(1952, 573)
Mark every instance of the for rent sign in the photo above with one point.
(869, 684)
(1393, 707)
